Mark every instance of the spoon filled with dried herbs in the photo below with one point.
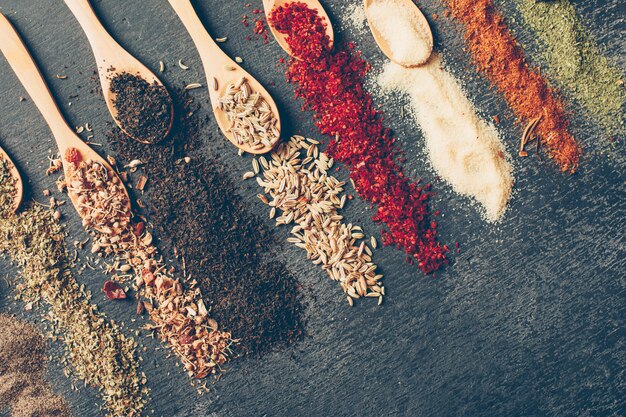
(11, 186)
(400, 30)
(137, 100)
(271, 5)
(94, 188)
(245, 111)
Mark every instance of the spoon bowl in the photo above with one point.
(28, 73)
(270, 5)
(19, 185)
(221, 71)
(113, 60)
(406, 11)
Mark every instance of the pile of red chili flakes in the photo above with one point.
(332, 86)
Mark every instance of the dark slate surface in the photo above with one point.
(526, 321)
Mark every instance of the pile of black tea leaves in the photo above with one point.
(220, 243)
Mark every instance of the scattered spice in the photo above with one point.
(464, 150)
(23, 386)
(259, 24)
(354, 14)
(144, 110)
(497, 54)
(297, 179)
(575, 60)
(175, 314)
(528, 133)
(332, 85)
(221, 245)
(253, 123)
(113, 291)
(35, 241)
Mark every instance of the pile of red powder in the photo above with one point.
(332, 86)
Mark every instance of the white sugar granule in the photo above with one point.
(403, 31)
(463, 149)
(355, 15)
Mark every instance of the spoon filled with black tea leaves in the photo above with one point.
(137, 100)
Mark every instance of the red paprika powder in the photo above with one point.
(332, 86)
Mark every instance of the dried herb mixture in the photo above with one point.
(97, 352)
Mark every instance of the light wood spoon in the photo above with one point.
(411, 11)
(220, 71)
(19, 185)
(27, 72)
(112, 60)
(270, 5)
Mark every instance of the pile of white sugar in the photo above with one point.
(403, 31)
(464, 149)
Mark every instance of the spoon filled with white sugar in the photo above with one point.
(400, 30)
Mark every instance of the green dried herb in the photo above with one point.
(7, 188)
(575, 60)
(96, 349)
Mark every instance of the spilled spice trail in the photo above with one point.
(224, 247)
(576, 61)
(35, 242)
(144, 110)
(497, 54)
(331, 84)
(23, 385)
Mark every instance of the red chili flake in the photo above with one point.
(73, 156)
(113, 291)
(185, 339)
(139, 228)
(332, 86)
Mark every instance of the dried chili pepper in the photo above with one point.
(332, 86)
(73, 156)
(113, 291)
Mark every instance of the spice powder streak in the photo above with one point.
(496, 53)
(332, 86)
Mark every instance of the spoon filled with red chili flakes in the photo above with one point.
(94, 188)
(279, 34)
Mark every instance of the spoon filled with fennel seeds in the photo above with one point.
(138, 101)
(11, 185)
(89, 178)
(245, 112)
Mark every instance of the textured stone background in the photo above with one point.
(527, 321)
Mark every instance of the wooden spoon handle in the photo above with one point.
(97, 35)
(27, 72)
(210, 53)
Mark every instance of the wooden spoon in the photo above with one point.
(270, 5)
(112, 60)
(27, 72)
(411, 11)
(19, 185)
(220, 71)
